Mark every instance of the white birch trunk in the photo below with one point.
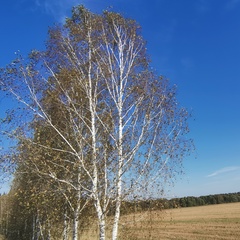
(100, 214)
(75, 225)
(65, 225)
(77, 210)
(48, 230)
(102, 225)
(120, 147)
(49, 235)
(76, 215)
(38, 227)
(92, 106)
(119, 173)
(118, 206)
(33, 228)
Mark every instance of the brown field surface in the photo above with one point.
(220, 221)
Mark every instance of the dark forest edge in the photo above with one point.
(190, 201)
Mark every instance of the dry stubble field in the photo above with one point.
(220, 221)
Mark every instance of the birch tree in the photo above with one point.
(117, 121)
(48, 146)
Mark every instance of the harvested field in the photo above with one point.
(214, 222)
(205, 222)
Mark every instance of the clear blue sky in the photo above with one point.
(194, 43)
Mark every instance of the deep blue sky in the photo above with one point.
(194, 43)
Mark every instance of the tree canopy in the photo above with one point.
(97, 126)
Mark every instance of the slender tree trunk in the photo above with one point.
(116, 219)
(75, 225)
(120, 165)
(39, 227)
(102, 224)
(65, 225)
(76, 213)
(92, 106)
(49, 235)
(33, 228)
(48, 230)
(101, 217)
(118, 199)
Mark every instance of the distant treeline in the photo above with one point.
(190, 201)
(205, 200)
(16, 219)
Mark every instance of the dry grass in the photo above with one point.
(205, 222)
